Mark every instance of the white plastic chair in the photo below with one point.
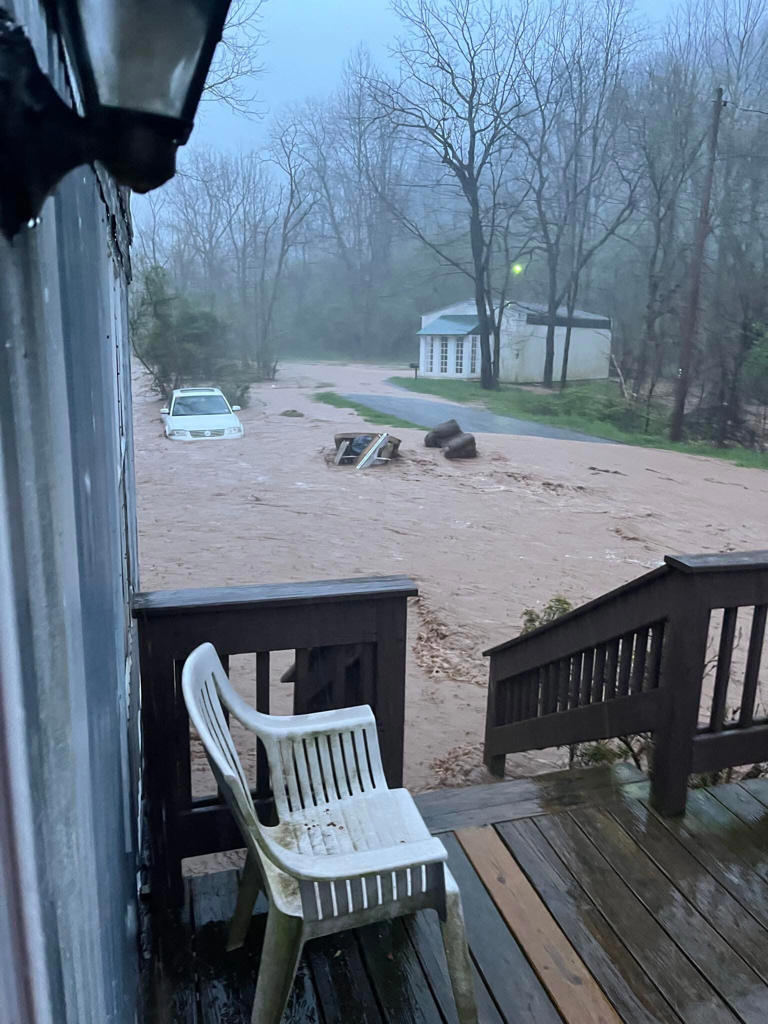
(347, 850)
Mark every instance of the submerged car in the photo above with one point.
(200, 414)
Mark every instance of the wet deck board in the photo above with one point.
(580, 906)
(558, 966)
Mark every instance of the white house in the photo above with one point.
(449, 345)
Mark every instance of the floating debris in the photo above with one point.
(451, 438)
(462, 446)
(363, 450)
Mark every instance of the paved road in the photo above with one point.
(476, 421)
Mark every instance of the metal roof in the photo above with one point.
(538, 314)
(455, 324)
(535, 313)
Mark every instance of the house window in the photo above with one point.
(443, 355)
(430, 355)
(473, 357)
(459, 355)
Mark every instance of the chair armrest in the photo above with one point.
(353, 865)
(319, 722)
(293, 726)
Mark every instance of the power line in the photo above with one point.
(750, 110)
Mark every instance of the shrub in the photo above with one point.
(553, 609)
(180, 344)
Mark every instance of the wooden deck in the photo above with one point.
(581, 906)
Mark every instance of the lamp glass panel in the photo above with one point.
(144, 52)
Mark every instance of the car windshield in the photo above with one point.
(199, 405)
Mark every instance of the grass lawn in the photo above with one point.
(372, 415)
(593, 407)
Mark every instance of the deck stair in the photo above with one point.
(659, 655)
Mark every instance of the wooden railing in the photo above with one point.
(349, 639)
(634, 661)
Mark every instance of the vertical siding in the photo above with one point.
(524, 346)
(67, 707)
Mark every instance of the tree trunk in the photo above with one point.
(496, 353)
(731, 411)
(691, 318)
(567, 344)
(566, 350)
(649, 341)
(549, 354)
(478, 260)
(486, 360)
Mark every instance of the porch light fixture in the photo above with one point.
(140, 66)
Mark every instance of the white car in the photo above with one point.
(200, 414)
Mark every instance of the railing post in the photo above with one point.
(391, 647)
(163, 717)
(495, 763)
(682, 669)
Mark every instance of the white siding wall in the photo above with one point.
(589, 357)
(524, 347)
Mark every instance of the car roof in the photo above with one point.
(197, 391)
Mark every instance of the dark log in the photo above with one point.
(437, 437)
(462, 446)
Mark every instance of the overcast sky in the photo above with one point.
(306, 45)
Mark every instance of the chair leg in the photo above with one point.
(459, 962)
(250, 886)
(279, 959)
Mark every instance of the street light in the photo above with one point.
(140, 66)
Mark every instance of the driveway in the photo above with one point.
(428, 413)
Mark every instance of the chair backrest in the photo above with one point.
(307, 767)
(200, 680)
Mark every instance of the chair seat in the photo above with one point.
(369, 821)
(365, 823)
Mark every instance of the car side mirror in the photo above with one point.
(165, 411)
(236, 408)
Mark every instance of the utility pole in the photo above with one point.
(690, 321)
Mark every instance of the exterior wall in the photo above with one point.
(69, 749)
(451, 371)
(589, 356)
(523, 349)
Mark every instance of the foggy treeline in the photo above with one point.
(571, 141)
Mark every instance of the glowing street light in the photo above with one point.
(517, 268)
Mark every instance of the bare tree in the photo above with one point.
(738, 57)
(456, 97)
(352, 160)
(582, 186)
(236, 64)
(282, 211)
(668, 134)
(199, 204)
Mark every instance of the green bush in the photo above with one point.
(603, 406)
(180, 344)
(553, 609)
(236, 392)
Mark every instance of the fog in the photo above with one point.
(361, 165)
